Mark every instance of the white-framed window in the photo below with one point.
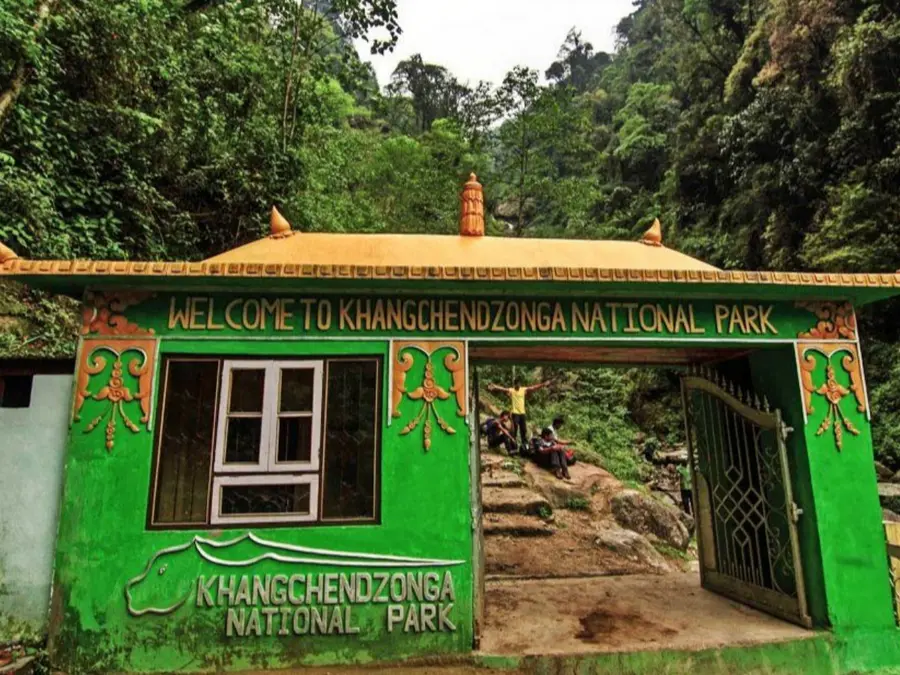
(270, 417)
(267, 441)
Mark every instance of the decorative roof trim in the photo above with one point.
(471, 217)
(279, 225)
(6, 253)
(653, 236)
(102, 268)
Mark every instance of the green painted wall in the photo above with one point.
(425, 512)
(851, 536)
(841, 534)
(32, 451)
(104, 542)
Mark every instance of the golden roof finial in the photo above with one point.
(6, 253)
(653, 236)
(471, 220)
(280, 227)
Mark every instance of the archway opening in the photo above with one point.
(655, 514)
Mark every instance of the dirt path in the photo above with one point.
(520, 542)
(630, 613)
(570, 552)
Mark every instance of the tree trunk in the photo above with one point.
(523, 170)
(289, 81)
(11, 93)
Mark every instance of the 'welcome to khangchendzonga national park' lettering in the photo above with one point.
(575, 317)
(322, 604)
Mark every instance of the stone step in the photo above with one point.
(492, 462)
(888, 490)
(515, 525)
(502, 479)
(513, 500)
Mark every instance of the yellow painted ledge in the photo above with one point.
(76, 268)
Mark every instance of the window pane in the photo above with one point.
(185, 441)
(247, 390)
(294, 439)
(242, 440)
(350, 439)
(296, 390)
(244, 499)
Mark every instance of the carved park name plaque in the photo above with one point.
(322, 604)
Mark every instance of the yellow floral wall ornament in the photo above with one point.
(831, 390)
(115, 392)
(429, 391)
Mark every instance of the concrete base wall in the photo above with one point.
(32, 449)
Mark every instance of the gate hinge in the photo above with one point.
(786, 431)
(796, 512)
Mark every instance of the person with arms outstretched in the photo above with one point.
(517, 395)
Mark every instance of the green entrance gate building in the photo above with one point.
(270, 460)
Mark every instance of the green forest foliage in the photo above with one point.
(763, 133)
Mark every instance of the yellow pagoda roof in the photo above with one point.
(286, 259)
(469, 249)
(443, 251)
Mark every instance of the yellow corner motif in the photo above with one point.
(429, 392)
(831, 390)
(115, 392)
(104, 314)
(837, 320)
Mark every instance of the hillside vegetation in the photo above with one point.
(763, 133)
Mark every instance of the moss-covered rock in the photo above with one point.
(34, 324)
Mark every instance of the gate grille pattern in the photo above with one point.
(746, 515)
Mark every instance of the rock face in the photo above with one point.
(678, 456)
(514, 500)
(587, 480)
(509, 209)
(883, 472)
(632, 546)
(645, 515)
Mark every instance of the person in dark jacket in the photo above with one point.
(497, 432)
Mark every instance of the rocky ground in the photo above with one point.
(537, 526)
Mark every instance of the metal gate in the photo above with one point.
(745, 514)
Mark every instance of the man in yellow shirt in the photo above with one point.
(517, 395)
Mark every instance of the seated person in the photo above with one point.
(497, 432)
(555, 426)
(556, 454)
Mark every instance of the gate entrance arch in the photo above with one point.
(377, 334)
(746, 513)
